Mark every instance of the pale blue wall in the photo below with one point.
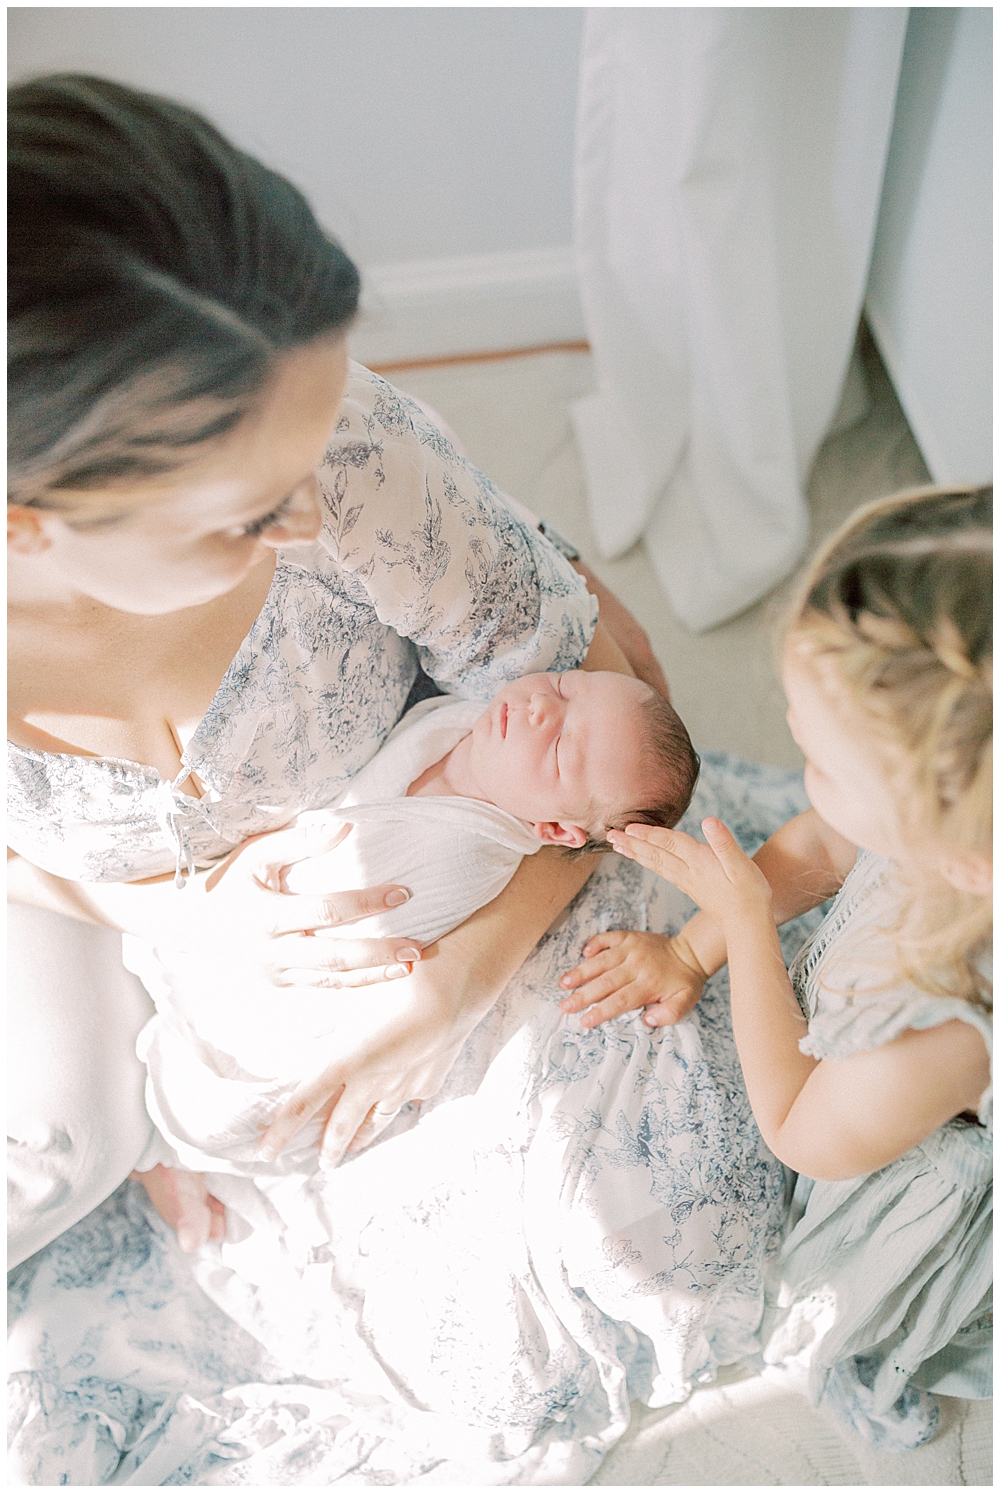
(420, 133)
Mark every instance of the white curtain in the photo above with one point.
(728, 173)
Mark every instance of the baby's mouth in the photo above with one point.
(503, 720)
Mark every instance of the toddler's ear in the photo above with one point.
(551, 832)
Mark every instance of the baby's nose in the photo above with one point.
(540, 708)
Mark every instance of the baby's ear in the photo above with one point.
(550, 832)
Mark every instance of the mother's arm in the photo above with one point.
(399, 1043)
(605, 653)
(238, 905)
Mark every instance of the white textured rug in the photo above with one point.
(742, 1432)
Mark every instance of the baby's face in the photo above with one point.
(564, 750)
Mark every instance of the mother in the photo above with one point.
(208, 634)
(231, 554)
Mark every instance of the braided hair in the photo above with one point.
(899, 602)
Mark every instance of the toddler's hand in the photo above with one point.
(718, 877)
(623, 971)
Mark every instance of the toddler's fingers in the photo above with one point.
(618, 842)
(628, 998)
(669, 1010)
(653, 857)
(669, 840)
(719, 836)
(595, 990)
(589, 969)
(601, 941)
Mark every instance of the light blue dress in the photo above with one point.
(883, 1287)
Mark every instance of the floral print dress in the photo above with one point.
(577, 1219)
(421, 564)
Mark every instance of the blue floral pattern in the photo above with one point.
(421, 562)
(579, 1218)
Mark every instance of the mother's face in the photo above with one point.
(187, 537)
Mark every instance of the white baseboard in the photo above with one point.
(437, 308)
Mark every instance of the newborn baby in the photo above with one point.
(448, 807)
(573, 755)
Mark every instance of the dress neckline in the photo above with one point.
(244, 654)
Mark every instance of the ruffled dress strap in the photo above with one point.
(845, 983)
(848, 1024)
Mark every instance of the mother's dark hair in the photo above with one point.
(155, 274)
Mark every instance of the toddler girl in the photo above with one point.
(868, 1063)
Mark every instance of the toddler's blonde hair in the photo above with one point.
(899, 603)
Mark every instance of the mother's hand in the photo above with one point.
(398, 1045)
(243, 905)
(395, 1048)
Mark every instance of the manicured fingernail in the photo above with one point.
(412, 955)
(396, 971)
(397, 897)
(187, 1237)
(266, 1153)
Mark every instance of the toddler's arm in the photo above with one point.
(805, 861)
(828, 1120)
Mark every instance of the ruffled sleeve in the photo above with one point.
(846, 1024)
(440, 554)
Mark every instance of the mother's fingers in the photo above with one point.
(304, 914)
(350, 979)
(346, 1122)
(270, 854)
(376, 1120)
(326, 955)
(298, 1109)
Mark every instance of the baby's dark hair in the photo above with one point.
(673, 772)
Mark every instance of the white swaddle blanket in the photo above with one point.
(225, 1043)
